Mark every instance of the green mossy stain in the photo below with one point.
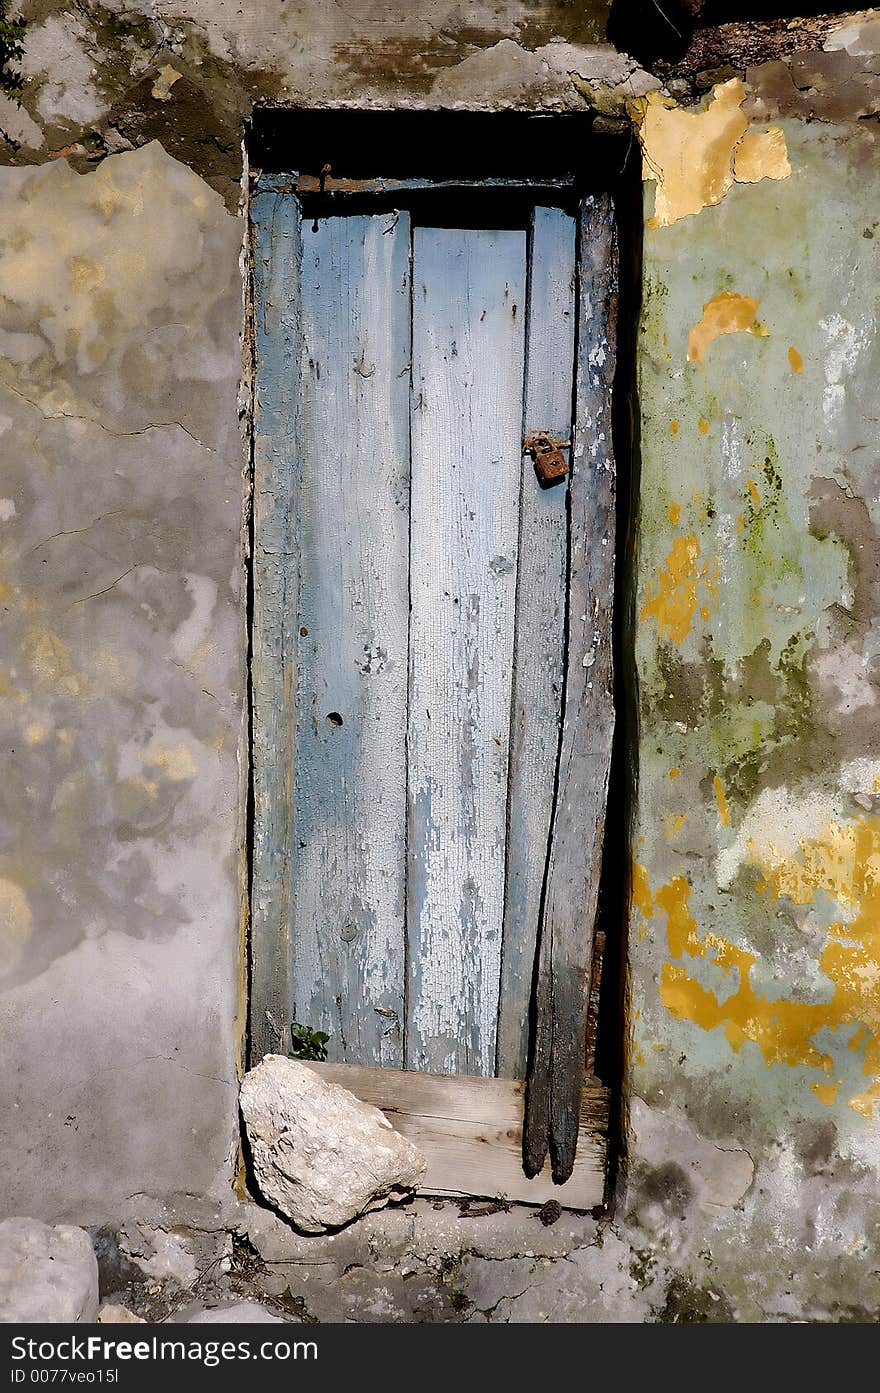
(642, 1266)
(762, 520)
(449, 1282)
(654, 294)
(689, 1304)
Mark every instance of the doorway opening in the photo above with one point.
(435, 617)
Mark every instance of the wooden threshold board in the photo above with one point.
(470, 1130)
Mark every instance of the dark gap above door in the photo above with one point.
(435, 145)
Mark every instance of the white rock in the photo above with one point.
(111, 1314)
(159, 1254)
(47, 1273)
(321, 1155)
(238, 1313)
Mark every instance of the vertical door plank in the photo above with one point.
(352, 534)
(468, 348)
(540, 625)
(275, 233)
(555, 1078)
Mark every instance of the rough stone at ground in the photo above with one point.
(239, 1313)
(112, 1314)
(320, 1155)
(48, 1274)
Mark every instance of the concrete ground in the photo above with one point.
(426, 1261)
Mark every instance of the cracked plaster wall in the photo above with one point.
(754, 959)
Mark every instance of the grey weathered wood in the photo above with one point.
(275, 233)
(540, 625)
(352, 534)
(340, 188)
(470, 1131)
(468, 316)
(566, 937)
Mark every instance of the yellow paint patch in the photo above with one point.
(703, 426)
(795, 359)
(673, 512)
(754, 495)
(165, 80)
(16, 923)
(826, 1093)
(840, 864)
(723, 806)
(673, 823)
(689, 153)
(673, 426)
(727, 313)
(695, 157)
(674, 773)
(35, 734)
(673, 600)
(641, 891)
(761, 155)
(175, 761)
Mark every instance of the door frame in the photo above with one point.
(552, 1111)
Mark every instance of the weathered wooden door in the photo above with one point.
(431, 664)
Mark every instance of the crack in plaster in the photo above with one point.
(50, 415)
(67, 1088)
(75, 531)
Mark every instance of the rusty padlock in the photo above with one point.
(546, 451)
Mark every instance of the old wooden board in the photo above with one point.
(352, 537)
(540, 624)
(275, 233)
(571, 896)
(470, 1131)
(467, 365)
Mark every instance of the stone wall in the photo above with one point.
(754, 1072)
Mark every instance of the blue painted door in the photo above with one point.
(415, 625)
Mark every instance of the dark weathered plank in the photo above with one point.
(468, 342)
(540, 627)
(352, 535)
(592, 1035)
(275, 232)
(566, 938)
(470, 1131)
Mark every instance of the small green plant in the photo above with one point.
(11, 51)
(307, 1043)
